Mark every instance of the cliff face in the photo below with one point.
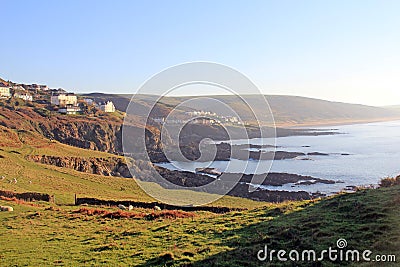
(96, 136)
(113, 166)
(102, 166)
(103, 133)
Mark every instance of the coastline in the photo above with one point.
(333, 123)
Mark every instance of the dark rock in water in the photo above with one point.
(262, 146)
(317, 154)
(345, 154)
(305, 183)
(241, 190)
(304, 159)
(279, 179)
(323, 181)
(305, 146)
(278, 155)
(224, 152)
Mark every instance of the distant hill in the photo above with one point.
(302, 110)
(287, 110)
(395, 107)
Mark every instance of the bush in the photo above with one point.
(168, 256)
(388, 182)
(43, 112)
(164, 214)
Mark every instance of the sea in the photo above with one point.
(358, 155)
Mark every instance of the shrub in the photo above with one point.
(165, 214)
(168, 256)
(43, 112)
(388, 182)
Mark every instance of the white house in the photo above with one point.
(107, 107)
(26, 97)
(63, 100)
(4, 90)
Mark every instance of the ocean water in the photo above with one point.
(373, 148)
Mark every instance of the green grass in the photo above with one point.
(56, 235)
(64, 183)
(37, 236)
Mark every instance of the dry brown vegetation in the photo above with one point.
(163, 214)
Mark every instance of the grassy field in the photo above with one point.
(64, 183)
(47, 234)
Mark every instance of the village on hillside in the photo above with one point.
(200, 117)
(63, 102)
(57, 99)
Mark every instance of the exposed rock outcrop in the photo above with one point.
(115, 166)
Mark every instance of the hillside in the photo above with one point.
(101, 235)
(93, 132)
(97, 236)
(287, 110)
(16, 148)
(103, 131)
(301, 110)
(104, 235)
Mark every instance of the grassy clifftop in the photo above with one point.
(16, 145)
(71, 236)
(66, 235)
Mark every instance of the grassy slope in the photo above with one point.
(366, 219)
(63, 182)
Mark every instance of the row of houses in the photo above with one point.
(67, 103)
(5, 92)
(199, 120)
(200, 117)
(30, 87)
(213, 117)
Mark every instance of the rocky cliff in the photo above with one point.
(113, 166)
(103, 133)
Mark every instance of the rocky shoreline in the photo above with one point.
(224, 152)
(115, 166)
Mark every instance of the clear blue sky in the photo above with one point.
(336, 50)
